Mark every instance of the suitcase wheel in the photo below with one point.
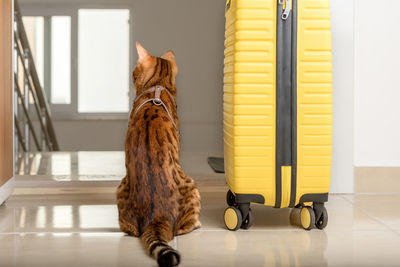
(248, 221)
(233, 218)
(322, 221)
(307, 218)
(230, 198)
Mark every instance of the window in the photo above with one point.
(50, 42)
(103, 68)
(60, 60)
(82, 58)
(34, 27)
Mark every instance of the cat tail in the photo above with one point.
(155, 240)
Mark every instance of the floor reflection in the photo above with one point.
(280, 248)
(92, 166)
(59, 218)
(29, 163)
(83, 163)
(82, 230)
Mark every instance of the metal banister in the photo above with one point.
(32, 86)
(30, 124)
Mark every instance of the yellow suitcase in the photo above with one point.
(277, 108)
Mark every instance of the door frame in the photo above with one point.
(6, 100)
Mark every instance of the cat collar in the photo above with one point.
(156, 100)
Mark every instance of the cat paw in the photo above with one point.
(197, 225)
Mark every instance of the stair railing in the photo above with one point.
(31, 91)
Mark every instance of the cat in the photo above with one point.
(156, 199)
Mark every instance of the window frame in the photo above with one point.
(70, 111)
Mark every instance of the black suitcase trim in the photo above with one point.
(293, 186)
(317, 198)
(286, 107)
(247, 198)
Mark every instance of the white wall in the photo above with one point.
(195, 31)
(377, 83)
(342, 14)
(91, 135)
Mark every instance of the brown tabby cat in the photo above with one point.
(156, 199)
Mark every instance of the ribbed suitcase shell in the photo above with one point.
(250, 99)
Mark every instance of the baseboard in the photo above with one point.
(6, 190)
(377, 179)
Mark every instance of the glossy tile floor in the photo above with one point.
(82, 230)
(55, 229)
(96, 168)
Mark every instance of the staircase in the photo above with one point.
(29, 94)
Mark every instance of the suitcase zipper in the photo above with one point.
(286, 146)
(286, 9)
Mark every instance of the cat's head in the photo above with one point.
(151, 71)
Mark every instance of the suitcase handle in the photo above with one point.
(227, 5)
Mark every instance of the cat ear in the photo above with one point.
(142, 53)
(170, 56)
